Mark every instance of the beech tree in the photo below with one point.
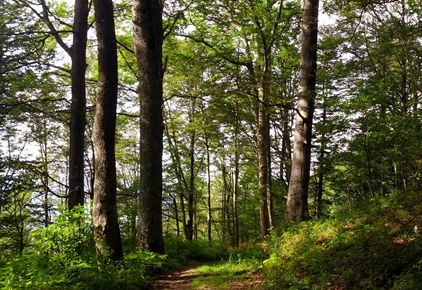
(106, 225)
(30, 113)
(297, 197)
(78, 104)
(249, 37)
(148, 40)
(381, 79)
(77, 53)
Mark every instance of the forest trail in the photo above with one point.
(182, 280)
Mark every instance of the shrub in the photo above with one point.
(183, 251)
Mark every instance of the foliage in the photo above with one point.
(34, 271)
(182, 251)
(366, 145)
(17, 191)
(39, 270)
(64, 258)
(69, 237)
(377, 246)
(224, 274)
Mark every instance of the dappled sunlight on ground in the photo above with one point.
(182, 280)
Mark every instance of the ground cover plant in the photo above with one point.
(224, 274)
(62, 257)
(377, 247)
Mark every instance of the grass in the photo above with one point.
(223, 274)
(376, 247)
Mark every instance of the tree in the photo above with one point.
(381, 81)
(148, 40)
(78, 104)
(106, 225)
(59, 29)
(30, 114)
(249, 37)
(17, 202)
(297, 198)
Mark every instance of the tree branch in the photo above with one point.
(45, 18)
(226, 57)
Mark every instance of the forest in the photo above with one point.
(256, 144)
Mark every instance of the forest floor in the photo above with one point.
(194, 277)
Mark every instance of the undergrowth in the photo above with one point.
(46, 270)
(378, 246)
(62, 256)
(222, 275)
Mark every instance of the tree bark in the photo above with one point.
(321, 170)
(148, 40)
(106, 227)
(286, 154)
(297, 197)
(263, 162)
(208, 153)
(236, 235)
(45, 177)
(78, 105)
(191, 194)
(226, 193)
(223, 204)
(176, 214)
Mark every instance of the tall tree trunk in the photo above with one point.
(223, 205)
(286, 145)
(263, 135)
(320, 186)
(236, 179)
(297, 197)
(148, 42)
(106, 227)
(183, 212)
(207, 148)
(226, 202)
(270, 199)
(78, 105)
(191, 194)
(45, 177)
(176, 214)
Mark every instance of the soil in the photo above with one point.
(180, 280)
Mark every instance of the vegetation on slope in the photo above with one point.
(377, 246)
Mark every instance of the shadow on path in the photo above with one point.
(181, 279)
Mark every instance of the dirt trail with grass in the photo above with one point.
(190, 278)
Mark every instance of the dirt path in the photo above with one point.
(180, 280)
(176, 280)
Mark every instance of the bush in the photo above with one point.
(64, 258)
(33, 271)
(69, 237)
(184, 252)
